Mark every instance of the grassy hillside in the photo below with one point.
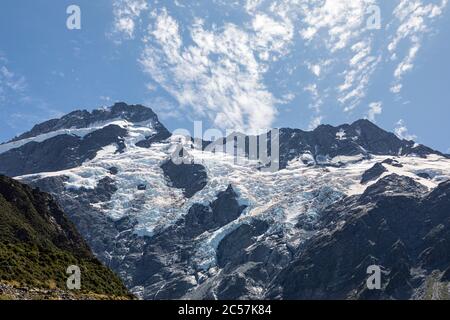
(38, 243)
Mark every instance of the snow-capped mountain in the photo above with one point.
(344, 198)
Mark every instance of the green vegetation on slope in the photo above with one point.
(38, 243)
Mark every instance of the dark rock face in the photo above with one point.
(373, 173)
(424, 175)
(393, 185)
(113, 170)
(446, 275)
(165, 267)
(60, 152)
(393, 162)
(187, 176)
(249, 258)
(105, 189)
(231, 250)
(142, 187)
(220, 212)
(395, 230)
(161, 135)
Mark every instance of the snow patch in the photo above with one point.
(81, 132)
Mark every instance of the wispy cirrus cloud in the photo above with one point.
(412, 22)
(126, 14)
(236, 62)
(338, 30)
(217, 75)
(11, 83)
(315, 122)
(18, 107)
(375, 108)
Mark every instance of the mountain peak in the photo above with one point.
(83, 119)
(364, 122)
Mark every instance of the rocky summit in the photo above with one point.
(344, 199)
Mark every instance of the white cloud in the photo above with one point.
(313, 90)
(126, 12)
(164, 108)
(17, 107)
(218, 75)
(375, 108)
(336, 22)
(315, 69)
(413, 18)
(12, 85)
(402, 131)
(287, 98)
(151, 87)
(3, 59)
(243, 58)
(357, 76)
(397, 88)
(271, 35)
(337, 30)
(105, 98)
(315, 122)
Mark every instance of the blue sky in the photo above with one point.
(245, 65)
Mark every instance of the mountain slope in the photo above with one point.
(38, 243)
(214, 227)
(395, 224)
